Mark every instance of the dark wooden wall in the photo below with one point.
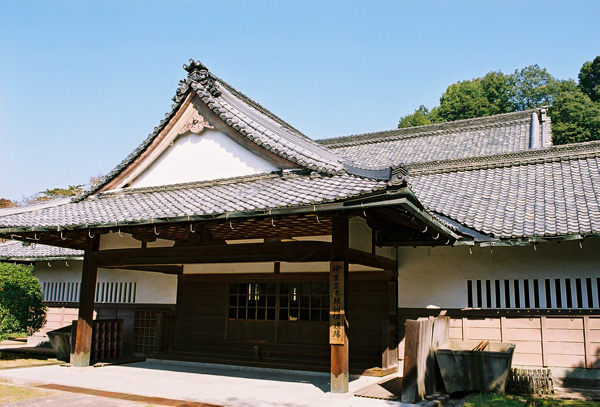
(204, 307)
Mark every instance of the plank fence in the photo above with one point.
(541, 341)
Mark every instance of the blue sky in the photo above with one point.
(82, 83)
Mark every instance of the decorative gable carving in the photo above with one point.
(195, 125)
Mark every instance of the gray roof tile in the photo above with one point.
(540, 193)
(459, 139)
(18, 251)
(243, 194)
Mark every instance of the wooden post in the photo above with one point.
(587, 342)
(544, 334)
(410, 388)
(503, 330)
(421, 340)
(83, 332)
(340, 369)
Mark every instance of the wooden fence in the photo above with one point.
(541, 341)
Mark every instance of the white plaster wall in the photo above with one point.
(437, 277)
(152, 288)
(58, 271)
(200, 157)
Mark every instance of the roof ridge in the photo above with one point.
(526, 157)
(193, 184)
(259, 127)
(428, 129)
(259, 107)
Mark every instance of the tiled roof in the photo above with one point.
(485, 174)
(262, 128)
(18, 251)
(459, 139)
(243, 115)
(258, 193)
(539, 193)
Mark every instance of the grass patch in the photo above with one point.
(15, 393)
(494, 400)
(13, 336)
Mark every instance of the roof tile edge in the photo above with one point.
(541, 155)
(427, 130)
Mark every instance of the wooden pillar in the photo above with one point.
(83, 329)
(338, 331)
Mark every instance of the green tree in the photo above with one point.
(532, 87)
(574, 109)
(575, 117)
(72, 190)
(463, 100)
(589, 79)
(53, 193)
(485, 96)
(420, 117)
(21, 300)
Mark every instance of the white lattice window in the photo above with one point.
(545, 293)
(60, 291)
(116, 292)
(106, 292)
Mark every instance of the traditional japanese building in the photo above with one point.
(305, 254)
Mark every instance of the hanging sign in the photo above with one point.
(336, 303)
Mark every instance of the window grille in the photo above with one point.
(144, 331)
(304, 302)
(61, 291)
(546, 293)
(106, 292)
(252, 301)
(116, 292)
(283, 301)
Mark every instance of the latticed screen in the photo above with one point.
(283, 301)
(545, 293)
(106, 291)
(144, 331)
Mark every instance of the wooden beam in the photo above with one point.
(234, 253)
(340, 366)
(166, 269)
(371, 260)
(83, 329)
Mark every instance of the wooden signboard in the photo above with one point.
(336, 303)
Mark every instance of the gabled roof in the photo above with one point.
(27, 252)
(491, 178)
(481, 136)
(244, 117)
(541, 193)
